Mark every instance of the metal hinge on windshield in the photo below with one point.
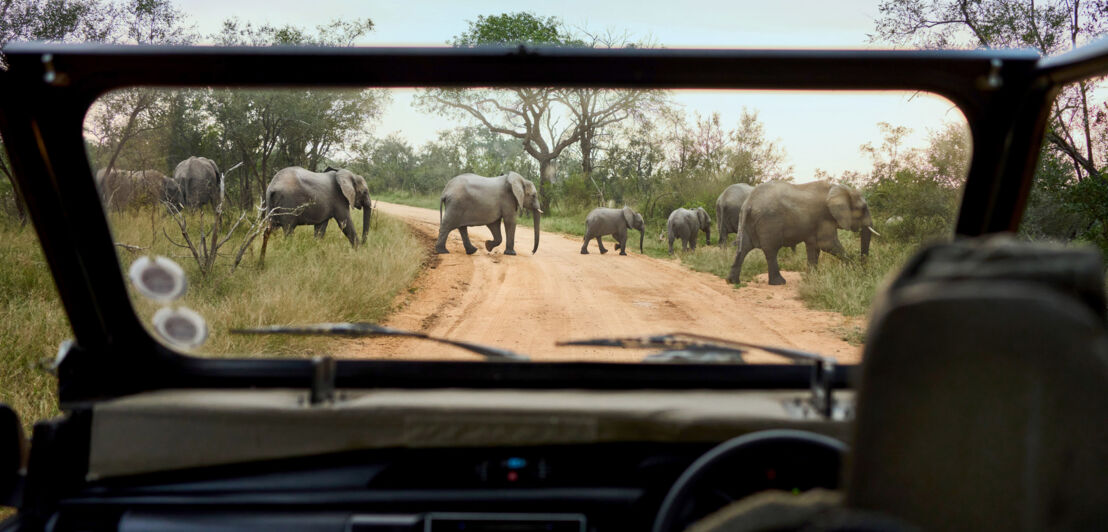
(699, 349)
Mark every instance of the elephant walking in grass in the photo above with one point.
(470, 200)
(200, 182)
(296, 197)
(686, 224)
(615, 222)
(120, 189)
(783, 214)
(728, 209)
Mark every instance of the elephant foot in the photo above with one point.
(509, 252)
(471, 250)
(441, 251)
(623, 252)
(733, 279)
(778, 280)
(584, 251)
(489, 244)
(603, 250)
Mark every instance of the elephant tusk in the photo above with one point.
(875, 233)
(540, 211)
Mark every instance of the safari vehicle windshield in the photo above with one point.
(520, 218)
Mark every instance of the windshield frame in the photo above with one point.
(1003, 96)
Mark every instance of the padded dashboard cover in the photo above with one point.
(984, 389)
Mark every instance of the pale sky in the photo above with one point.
(818, 130)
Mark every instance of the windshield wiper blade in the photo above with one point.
(697, 343)
(370, 330)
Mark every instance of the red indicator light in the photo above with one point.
(513, 476)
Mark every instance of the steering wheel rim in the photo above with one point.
(683, 487)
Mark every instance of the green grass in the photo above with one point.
(304, 280)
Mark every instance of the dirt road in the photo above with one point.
(525, 303)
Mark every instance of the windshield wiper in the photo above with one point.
(370, 330)
(700, 349)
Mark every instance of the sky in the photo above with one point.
(818, 130)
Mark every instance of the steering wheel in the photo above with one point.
(784, 454)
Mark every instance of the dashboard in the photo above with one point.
(617, 486)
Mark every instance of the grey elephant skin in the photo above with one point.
(729, 206)
(200, 182)
(125, 188)
(615, 222)
(296, 197)
(470, 200)
(783, 214)
(686, 224)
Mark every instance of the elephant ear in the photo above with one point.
(345, 181)
(702, 217)
(629, 216)
(516, 182)
(838, 202)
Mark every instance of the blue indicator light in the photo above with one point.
(516, 463)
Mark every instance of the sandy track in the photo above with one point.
(525, 303)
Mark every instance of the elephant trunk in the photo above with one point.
(866, 235)
(537, 213)
(367, 216)
(708, 236)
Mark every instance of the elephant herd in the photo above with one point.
(196, 181)
(768, 217)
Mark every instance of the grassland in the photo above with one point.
(304, 280)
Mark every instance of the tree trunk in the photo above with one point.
(547, 170)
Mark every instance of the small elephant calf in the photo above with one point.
(615, 222)
(686, 224)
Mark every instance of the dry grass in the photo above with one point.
(304, 281)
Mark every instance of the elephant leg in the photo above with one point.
(289, 229)
(509, 237)
(600, 244)
(813, 253)
(775, 277)
(321, 229)
(470, 248)
(347, 227)
(692, 243)
(723, 237)
(622, 242)
(745, 247)
(585, 244)
(440, 244)
(671, 239)
(494, 228)
(836, 249)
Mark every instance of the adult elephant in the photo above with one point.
(200, 182)
(729, 206)
(120, 189)
(296, 197)
(783, 214)
(686, 224)
(469, 200)
(615, 222)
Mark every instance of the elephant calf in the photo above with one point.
(615, 222)
(686, 224)
(470, 199)
(298, 197)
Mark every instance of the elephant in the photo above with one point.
(780, 214)
(310, 198)
(686, 224)
(200, 182)
(728, 207)
(123, 188)
(604, 221)
(471, 200)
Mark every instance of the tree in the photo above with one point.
(1049, 27)
(524, 113)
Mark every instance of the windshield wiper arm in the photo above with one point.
(370, 330)
(696, 348)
